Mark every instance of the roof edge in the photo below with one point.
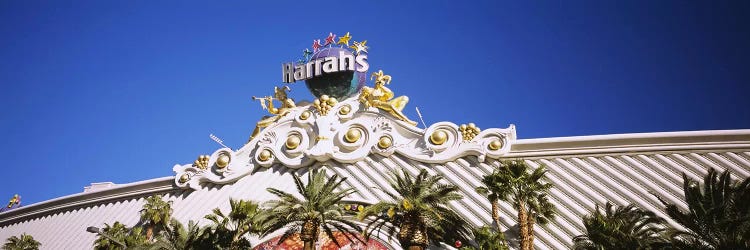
(634, 142)
(56, 205)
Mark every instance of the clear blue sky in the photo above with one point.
(122, 90)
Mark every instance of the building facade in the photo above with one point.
(585, 171)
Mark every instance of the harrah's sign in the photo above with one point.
(292, 72)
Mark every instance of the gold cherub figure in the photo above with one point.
(286, 105)
(381, 97)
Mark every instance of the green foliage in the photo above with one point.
(522, 186)
(25, 242)
(422, 200)
(623, 227)
(177, 237)
(318, 207)
(718, 215)
(488, 238)
(130, 237)
(228, 230)
(527, 191)
(493, 188)
(155, 214)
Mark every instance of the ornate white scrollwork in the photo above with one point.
(347, 134)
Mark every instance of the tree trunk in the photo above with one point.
(530, 231)
(496, 215)
(496, 219)
(309, 245)
(149, 232)
(412, 234)
(523, 219)
(309, 234)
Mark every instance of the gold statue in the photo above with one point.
(381, 97)
(286, 105)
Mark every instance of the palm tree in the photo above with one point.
(177, 237)
(228, 230)
(117, 231)
(527, 191)
(155, 215)
(318, 208)
(493, 189)
(488, 238)
(25, 242)
(621, 227)
(419, 211)
(130, 237)
(718, 216)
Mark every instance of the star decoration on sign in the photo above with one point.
(329, 39)
(316, 45)
(306, 54)
(344, 39)
(359, 47)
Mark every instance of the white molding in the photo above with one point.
(636, 142)
(57, 205)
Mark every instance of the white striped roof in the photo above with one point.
(585, 170)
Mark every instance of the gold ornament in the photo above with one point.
(264, 155)
(353, 135)
(344, 39)
(223, 160)
(201, 162)
(383, 98)
(439, 137)
(184, 178)
(324, 104)
(306, 114)
(286, 105)
(345, 110)
(293, 141)
(384, 142)
(495, 145)
(468, 132)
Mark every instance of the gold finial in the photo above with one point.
(184, 178)
(468, 132)
(201, 162)
(352, 135)
(293, 141)
(324, 104)
(264, 155)
(223, 160)
(381, 97)
(306, 114)
(495, 145)
(267, 104)
(439, 137)
(384, 142)
(345, 110)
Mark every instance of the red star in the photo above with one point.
(329, 39)
(316, 45)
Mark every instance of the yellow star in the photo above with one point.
(344, 39)
(359, 47)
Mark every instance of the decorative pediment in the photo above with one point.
(345, 132)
